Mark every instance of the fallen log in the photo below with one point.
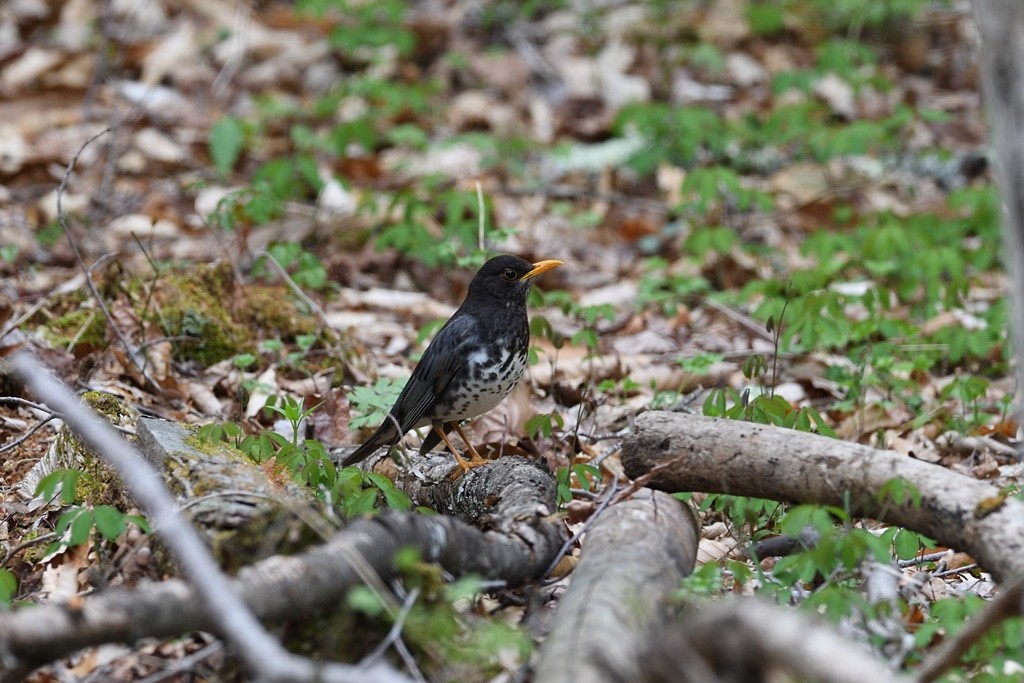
(744, 459)
(633, 559)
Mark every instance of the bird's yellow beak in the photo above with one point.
(541, 267)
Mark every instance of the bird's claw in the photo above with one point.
(467, 465)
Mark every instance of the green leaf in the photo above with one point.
(65, 478)
(81, 525)
(109, 521)
(244, 361)
(543, 424)
(564, 494)
(906, 544)
(8, 586)
(364, 600)
(362, 503)
(139, 521)
(806, 515)
(765, 18)
(226, 139)
(396, 499)
(699, 363)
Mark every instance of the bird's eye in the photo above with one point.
(510, 274)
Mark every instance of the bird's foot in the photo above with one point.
(467, 465)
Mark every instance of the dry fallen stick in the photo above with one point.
(740, 458)
(633, 558)
(746, 640)
(265, 657)
(522, 537)
(712, 455)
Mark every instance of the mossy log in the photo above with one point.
(244, 514)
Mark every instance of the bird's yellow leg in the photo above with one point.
(475, 457)
(466, 466)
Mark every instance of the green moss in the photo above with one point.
(269, 309)
(216, 317)
(224, 319)
(72, 322)
(34, 553)
(100, 484)
(195, 304)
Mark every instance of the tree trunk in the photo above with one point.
(1001, 24)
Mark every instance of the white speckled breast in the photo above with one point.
(490, 378)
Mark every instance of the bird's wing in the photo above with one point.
(439, 364)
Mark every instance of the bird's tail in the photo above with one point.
(386, 435)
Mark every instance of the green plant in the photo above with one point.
(353, 492)
(704, 581)
(765, 407)
(702, 362)
(372, 403)
(620, 389)
(995, 658)
(544, 424)
(666, 290)
(423, 213)
(588, 316)
(751, 517)
(715, 191)
(8, 586)
(674, 135)
(583, 474)
(77, 522)
(360, 493)
(365, 27)
(849, 14)
(969, 390)
(438, 619)
(274, 183)
(306, 268)
(226, 143)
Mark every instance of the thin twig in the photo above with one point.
(922, 559)
(734, 315)
(27, 435)
(176, 338)
(642, 481)
(481, 219)
(313, 306)
(181, 665)
(396, 629)
(18, 401)
(44, 538)
(958, 570)
(608, 497)
(62, 221)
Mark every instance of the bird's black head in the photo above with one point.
(507, 278)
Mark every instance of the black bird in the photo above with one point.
(471, 365)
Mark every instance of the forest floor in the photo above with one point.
(785, 217)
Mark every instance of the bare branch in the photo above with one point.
(264, 655)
